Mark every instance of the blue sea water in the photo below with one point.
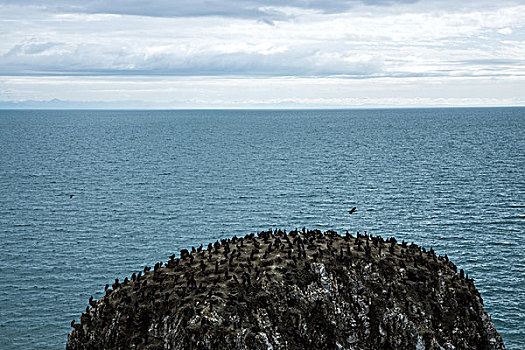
(149, 183)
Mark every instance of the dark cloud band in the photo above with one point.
(195, 8)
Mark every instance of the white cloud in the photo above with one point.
(505, 31)
(220, 92)
(315, 44)
(401, 41)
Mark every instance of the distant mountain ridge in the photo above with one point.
(62, 104)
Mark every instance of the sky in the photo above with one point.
(262, 54)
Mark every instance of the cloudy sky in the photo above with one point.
(264, 54)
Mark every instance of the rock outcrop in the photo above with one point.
(296, 290)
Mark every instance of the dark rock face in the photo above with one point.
(297, 290)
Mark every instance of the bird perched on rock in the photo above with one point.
(238, 282)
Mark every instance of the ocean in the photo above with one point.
(149, 183)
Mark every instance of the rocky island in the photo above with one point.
(302, 289)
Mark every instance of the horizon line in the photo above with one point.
(259, 109)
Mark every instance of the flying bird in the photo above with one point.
(351, 211)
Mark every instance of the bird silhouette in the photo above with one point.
(351, 211)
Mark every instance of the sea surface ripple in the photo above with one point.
(149, 183)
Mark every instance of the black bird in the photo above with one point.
(71, 196)
(92, 303)
(351, 211)
(76, 326)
